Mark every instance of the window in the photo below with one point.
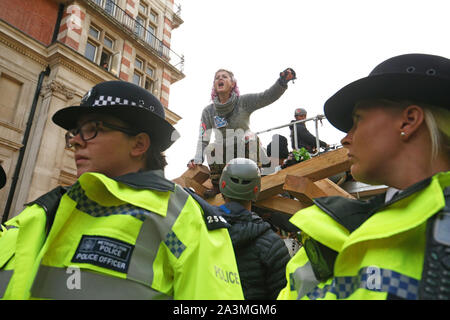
(94, 33)
(143, 8)
(138, 63)
(146, 25)
(99, 48)
(149, 71)
(108, 5)
(137, 78)
(91, 50)
(140, 26)
(144, 74)
(108, 42)
(153, 16)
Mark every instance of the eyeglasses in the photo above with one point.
(89, 131)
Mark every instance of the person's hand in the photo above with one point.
(286, 76)
(191, 164)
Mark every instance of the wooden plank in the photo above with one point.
(304, 189)
(317, 168)
(332, 189)
(281, 204)
(200, 174)
(199, 188)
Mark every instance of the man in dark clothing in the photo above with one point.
(261, 254)
(304, 137)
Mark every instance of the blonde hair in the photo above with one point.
(438, 120)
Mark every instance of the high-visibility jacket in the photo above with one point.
(136, 237)
(380, 246)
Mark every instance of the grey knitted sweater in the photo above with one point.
(233, 114)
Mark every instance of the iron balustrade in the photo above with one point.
(114, 11)
(316, 119)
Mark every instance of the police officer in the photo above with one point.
(122, 231)
(261, 254)
(395, 245)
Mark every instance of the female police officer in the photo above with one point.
(396, 245)
(122, 231)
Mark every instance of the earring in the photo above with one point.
(402, 134)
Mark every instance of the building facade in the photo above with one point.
(51, 53)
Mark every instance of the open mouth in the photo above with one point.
(220, 84)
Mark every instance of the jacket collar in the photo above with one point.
(352, 213)
(151, 180)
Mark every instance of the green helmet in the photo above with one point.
(241, 179)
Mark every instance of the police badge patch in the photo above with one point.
(104, 252)
(84, 100)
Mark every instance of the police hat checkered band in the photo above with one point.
(373, 279)
(109, 100)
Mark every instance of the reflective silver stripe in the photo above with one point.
(5, 276)
(55, 283)
(303, 280)
(153, 231)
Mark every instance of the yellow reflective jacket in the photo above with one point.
(380, 246)
(136, 237)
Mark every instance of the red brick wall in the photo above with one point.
(37, 18)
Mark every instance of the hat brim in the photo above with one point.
(159, 129)
(338, 108)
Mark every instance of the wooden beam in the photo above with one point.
(317, 168)
(200, 174)
(199, 188)
(304, 189)
(332, 189)
(281, 204)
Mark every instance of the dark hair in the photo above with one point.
(155, 159)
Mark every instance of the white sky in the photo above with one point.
(329, 43)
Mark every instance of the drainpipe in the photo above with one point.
(26, 135)
(58, 22)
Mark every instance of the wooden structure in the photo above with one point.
(303, 181)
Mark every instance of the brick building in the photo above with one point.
(51, 53)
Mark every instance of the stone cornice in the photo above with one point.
(21, 43)
(10, 144)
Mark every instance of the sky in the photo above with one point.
(329, 43)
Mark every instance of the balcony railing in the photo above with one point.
(111, 9)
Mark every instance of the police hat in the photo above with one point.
(127, 102)
(418, 77)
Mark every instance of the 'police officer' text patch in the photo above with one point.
(104, 252)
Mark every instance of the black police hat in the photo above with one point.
(129, 103)
(2, 177)
(418, 77)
